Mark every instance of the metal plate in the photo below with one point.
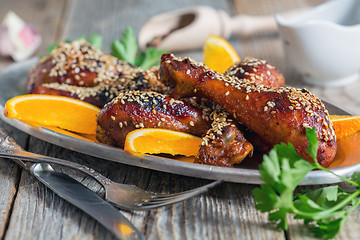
(12, 83)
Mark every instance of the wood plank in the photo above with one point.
(33, 12)
(9, 180)
(222, 209)
(40, 214)
(112, 18)
(196, 218)
(181, 220)
(269, 47)
(44, 15)
(226, 212)
(9, 176)
(51, 217)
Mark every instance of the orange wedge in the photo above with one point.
(50, 110)
(157, 140)
(345, 125)
(218, 54)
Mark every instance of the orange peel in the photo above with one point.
(345, 125)
(218, 54)
(50, 110)
(157, 141)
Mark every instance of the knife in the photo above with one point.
(74, 192)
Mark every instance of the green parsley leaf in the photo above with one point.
(282, 170)
(313, 143)
(96, 41)
(324, 197)
(328, 229)
(51, 47)
(126, 49)
(356, 177)
(151, 57)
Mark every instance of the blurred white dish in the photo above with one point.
(323, 43)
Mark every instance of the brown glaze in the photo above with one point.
(276, 115)
(81, 71)
(216, 148)
(223, 144)
(257, 71)
(137, 109)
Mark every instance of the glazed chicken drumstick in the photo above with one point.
(276, 115)
(224, 143)
(81, 71)
(147, 109)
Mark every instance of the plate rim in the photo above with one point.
(238, 175)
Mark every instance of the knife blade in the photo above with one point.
(74, 192)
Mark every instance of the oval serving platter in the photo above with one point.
(12, 83)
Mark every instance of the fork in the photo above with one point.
(123, 196)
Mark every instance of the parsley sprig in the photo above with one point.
(127, 49)
(326, 208)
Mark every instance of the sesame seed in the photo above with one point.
(295, 99)
(271, 104)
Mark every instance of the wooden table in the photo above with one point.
(29, 210)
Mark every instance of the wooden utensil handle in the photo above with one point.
(244, 25)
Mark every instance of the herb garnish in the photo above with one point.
(127, 49)
(282, 170)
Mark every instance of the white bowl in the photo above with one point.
(323, 44)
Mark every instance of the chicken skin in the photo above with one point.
(223, 144)
(146, 109)
(275, 115)
(81, 71)
(257, 71)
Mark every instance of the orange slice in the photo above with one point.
(50, 110)
(218, 54)
(345, 125)
(157, 140)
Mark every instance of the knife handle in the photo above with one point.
(74, 192)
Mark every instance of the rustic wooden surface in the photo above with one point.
(28, 210)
